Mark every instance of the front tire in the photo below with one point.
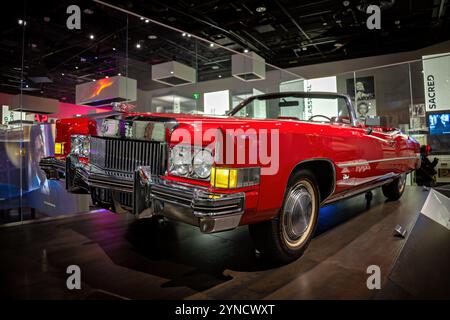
(286, 237)
(394, 190)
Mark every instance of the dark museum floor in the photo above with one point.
(121, 258)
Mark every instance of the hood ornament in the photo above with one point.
(123, 107)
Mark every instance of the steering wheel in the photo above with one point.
(319, 115)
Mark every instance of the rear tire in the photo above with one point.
(286, 237)
(394, 190)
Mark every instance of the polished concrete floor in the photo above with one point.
(121, 258)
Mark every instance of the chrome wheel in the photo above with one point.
(297, 214)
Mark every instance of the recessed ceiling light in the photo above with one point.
(93, 80)
(397, 22)
(325, 24)
(138, 45)
(76, 67)
(261, 9)
(188, 35)
(107, 77)
(91, 36)
(305, 48)
(26, 86)
(220, 76)
(215, 67)
(246, 51)
(346, 3)
(20, 21)
(338, 45)
(147, 21)
(114, 49)
(184, 34)
(152, 37)
(211, 44)
(62, 74)
(142, 18)
(119, 74)
(171, 72)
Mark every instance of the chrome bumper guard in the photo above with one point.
(211, 212)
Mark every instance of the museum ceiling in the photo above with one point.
(286, 33)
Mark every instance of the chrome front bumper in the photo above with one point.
(192, 204)
(211, 212)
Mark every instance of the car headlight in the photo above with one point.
(80, 145)
(180, 161)
(183, 163)
(203, 161)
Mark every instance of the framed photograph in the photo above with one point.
(361, 88)
(417, 110)
(365, 108)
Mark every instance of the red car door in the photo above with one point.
(375, 161)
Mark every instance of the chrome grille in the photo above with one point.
(126, 155)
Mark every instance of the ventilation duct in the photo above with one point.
(105, 91)
(248, 67)
(173, 73)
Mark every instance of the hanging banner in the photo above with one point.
(436, 77)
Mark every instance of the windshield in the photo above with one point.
(295, 107)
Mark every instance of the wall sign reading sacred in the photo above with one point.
(436, 81)
(431, 92)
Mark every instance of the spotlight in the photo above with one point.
(211, 44)
(246, 51)
(119, 74)
(220, 76)
(93, 80)
(62, 74)
(184, 34)
(147, 21)
(114, 49)
(188, 35)
(142, 18)
(91, 37)
(138, 45)
(76, 67)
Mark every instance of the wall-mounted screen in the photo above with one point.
(439, 123)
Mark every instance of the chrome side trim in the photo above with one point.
(362, 162)
(352, 193)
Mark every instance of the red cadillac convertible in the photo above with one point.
(270, 163)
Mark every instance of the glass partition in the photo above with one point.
(158, 67)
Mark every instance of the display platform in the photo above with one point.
(121, 258)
